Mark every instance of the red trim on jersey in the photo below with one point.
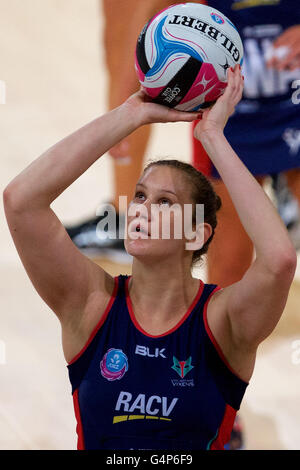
(212, 338)
(200, 159)
(100, 323)
(225, 429)
(136, 324)
(79, 429)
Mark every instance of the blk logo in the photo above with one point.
(144, 351)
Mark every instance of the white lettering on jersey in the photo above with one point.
(261, 81)
(166, 411)
(296, 94)
(144, 351)
(292, 139)
(153, 405)
(124, 399)
(149, 403)
(138, 404)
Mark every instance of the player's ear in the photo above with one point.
(202, 233)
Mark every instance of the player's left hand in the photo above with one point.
(289, 39)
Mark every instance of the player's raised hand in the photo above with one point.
(215, 118)
(142, 109)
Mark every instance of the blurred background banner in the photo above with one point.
(53, 80)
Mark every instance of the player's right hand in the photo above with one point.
(143, 111)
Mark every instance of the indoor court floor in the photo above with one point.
(53, 68)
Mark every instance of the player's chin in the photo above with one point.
(150, 248)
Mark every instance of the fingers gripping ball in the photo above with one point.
(183, 54)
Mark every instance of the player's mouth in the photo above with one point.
(140, 229)
(139, 226)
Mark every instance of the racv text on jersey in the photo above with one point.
(209, 31)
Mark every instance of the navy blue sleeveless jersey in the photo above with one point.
(132, 390)
(265, 129)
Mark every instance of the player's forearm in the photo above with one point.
(256, 211)
(56, 169)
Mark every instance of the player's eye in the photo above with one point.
(164, 201)
(139, 195)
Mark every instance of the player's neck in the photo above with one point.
(161, 296)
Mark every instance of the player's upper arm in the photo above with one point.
(242, 315)
(255, 304)
(63, 277)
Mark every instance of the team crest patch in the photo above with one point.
(114, 364)
(182, 368)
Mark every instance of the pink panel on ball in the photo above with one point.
(153, 92)
(206, 83)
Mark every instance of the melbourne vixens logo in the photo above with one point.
(182, 368)
(114, 364)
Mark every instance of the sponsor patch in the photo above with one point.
(143, 407)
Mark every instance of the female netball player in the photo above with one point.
(157, 360)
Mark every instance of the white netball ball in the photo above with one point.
(183, 53)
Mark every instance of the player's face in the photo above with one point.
(155, 223)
